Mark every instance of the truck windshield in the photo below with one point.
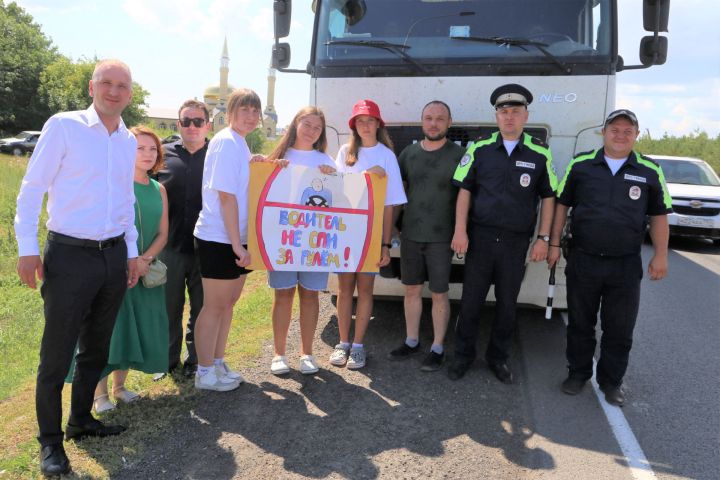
(561, 36)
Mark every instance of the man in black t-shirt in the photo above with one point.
(427, 168)
(182, 178)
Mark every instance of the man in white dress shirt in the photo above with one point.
(84, 160)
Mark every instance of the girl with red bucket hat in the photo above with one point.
(369, 150)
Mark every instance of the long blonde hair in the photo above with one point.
(288, 140)
(355, 143)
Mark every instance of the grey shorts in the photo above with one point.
(281, 280)
(421, 261)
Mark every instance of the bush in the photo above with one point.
(697, 144)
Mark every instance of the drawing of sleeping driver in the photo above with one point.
(316, 195)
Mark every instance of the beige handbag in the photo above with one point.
(157, 270)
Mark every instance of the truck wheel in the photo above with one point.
(17, 151)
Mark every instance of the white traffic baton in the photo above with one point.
(551, 294)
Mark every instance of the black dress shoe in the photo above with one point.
(189, 369)
(53, 461)
(502, 372)
(573, 385)
(91, 428)
(613, 395)
(458, 369)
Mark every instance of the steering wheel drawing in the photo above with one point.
(316, 201)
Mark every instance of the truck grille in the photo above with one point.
(403, 136)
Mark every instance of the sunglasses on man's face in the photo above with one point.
(186, 122)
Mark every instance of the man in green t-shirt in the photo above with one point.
(427, 169)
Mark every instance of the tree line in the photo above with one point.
(36, 81)
(697, 144)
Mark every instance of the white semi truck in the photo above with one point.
(404, 53)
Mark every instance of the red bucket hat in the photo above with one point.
(365, 107)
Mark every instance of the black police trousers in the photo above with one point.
(493, 257)
(82, 291)
(610, 285)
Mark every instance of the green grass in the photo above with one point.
(21, 324)
(20, 307)
(162, 402)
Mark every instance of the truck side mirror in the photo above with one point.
(282, 10)
(656, 10)
(280, 56)
(653, 52)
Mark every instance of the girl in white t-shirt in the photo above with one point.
(369, 150)
(221, 239)
(303, 144)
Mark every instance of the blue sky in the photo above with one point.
(174, 46)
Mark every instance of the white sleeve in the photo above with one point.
(131, 233)
(41, 170)
(395, 193)
(340, 159)
(224, 159)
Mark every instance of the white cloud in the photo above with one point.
(262, 24)
(42, 7)
(194, 19)
(672, 108)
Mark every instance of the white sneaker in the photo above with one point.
(211, 381)
(308, 365)
(356, 359)
(224, 370)
(339, 356)
(279, 365)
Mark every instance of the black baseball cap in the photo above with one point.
(622, 113)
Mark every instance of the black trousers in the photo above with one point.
(183, 272)
(82, 292)
(610, 285)
(493, 258)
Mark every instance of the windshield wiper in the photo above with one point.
(521, 43)
(396, 48)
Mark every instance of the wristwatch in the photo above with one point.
(544, 238)
(388, 245)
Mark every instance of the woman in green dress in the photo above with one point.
(140, 337)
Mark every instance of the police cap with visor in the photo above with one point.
(510, 95)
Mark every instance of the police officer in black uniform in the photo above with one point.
(501, 178)
(610, 191)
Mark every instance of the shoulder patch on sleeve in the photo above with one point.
(538, 142)
(582, 154)
(647, 159)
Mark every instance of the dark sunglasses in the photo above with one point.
(186, 122)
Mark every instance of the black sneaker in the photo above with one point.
(433, 361)
(404, 351)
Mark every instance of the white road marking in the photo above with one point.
(638, 464)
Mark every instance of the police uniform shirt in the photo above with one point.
(182, 178)
(505, 188)
(609, 211)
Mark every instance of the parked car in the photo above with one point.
(175, 137)
(695, 191)
(21, 144)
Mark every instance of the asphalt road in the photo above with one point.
(673, 381)
(389, 420)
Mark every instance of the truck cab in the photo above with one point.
(404, 53)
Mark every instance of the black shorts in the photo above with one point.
(217, 260)
(420, 261)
